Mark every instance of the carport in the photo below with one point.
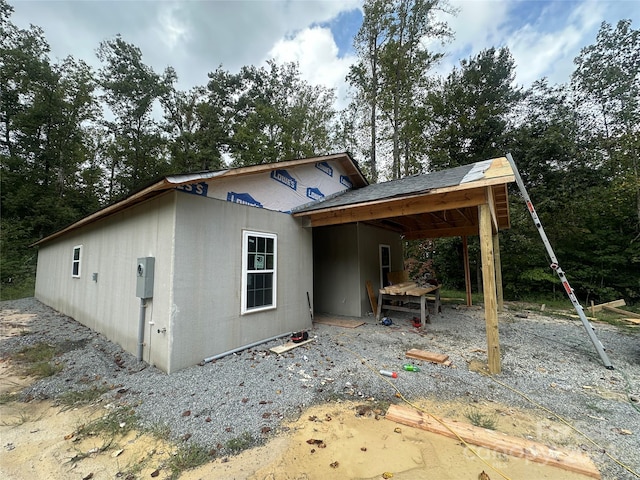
(462, 201)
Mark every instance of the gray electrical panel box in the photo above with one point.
(144, 277)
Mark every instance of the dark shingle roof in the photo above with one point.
(405, 186)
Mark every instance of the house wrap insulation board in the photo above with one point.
(280, 189)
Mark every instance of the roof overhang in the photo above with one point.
(445, 211)
(345, 160)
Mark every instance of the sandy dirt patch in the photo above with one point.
(337, 440)
(39, 441)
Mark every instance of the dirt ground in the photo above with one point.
(336, 440)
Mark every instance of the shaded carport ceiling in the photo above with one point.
(438, 204)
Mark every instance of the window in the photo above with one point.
(385, 265)
(259, 261)
(75, 264)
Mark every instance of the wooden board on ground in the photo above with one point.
(619, 311)
(427, 356)
(635, 321)
(615, 303)
(289, 346)
(339, 322)
(372, 297)
(573, 461)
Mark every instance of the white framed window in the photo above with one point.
(76, 261)
(259, 271)
(385, 265)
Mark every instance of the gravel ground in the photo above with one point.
(550, 360)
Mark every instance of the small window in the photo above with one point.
(259, 261)
(75, 264)
(385, 265)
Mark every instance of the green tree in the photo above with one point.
(44, 111)
(182, 122)
(268, 114)
(404, 63)
(137, 149)
(607, 83)
(471, 108)
(364, 76)
(390, 77)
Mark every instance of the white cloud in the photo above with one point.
(543, 36)
(476, 26)
(194, 37)
(316, 52)
(172, 29)
(551, 54)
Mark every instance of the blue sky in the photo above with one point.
(195, 37)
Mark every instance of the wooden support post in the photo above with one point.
(489, 287)
(467, 270)
(498, 267)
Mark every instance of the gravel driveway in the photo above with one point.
(549, 360)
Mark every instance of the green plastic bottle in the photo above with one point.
(410, 368)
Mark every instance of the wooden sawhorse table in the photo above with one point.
(408, 292)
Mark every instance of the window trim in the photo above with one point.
(245, 272)
(78, 261)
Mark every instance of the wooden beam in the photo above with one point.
(570, 460)
(388, 208)
(615, 303)
(441, 232)
(489, 288)
(498, 267)
(619, 311)
(492, 209)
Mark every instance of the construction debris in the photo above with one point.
(427, 356)
(599, 308)
(570, 460)
(289, 346)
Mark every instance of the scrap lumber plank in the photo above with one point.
(615, 303)
(573, 461)
(421, 291)
(372, 297)
(289, 346)
(632, 320)
(619, 311)
(427, 356)
(401, 288)
(571, 315)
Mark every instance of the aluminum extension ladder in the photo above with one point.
(554, 266)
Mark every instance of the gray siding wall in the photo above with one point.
(110, 248)
(369, 241)
(336, 275)
(205, 314)
(345, 257)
